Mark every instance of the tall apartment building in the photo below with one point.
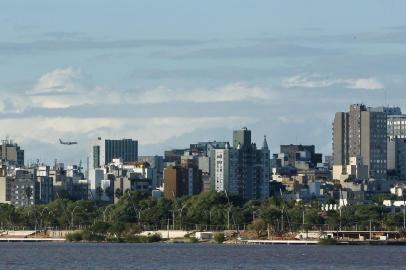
(223, 169)
(253, 166)
(5, 185)
(105, 150)
(243, 169)
(11, 153)
(396, 122)
(29, 189)
(397, 158)
(361, 132)
(397, 126)
(182, 181)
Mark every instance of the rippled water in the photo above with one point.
(197, 256)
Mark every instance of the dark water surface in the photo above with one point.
(197, 256)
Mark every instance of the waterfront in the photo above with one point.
(196, 256)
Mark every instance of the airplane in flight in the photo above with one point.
(67, 143)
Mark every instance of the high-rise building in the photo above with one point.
(223, 169)
(397, 126)
(253, 166)
(397, 158)
(11, 153)
(361, 132)
(29, 189)
(182, 181)
(105, 150)
(396, 135)
(5, 185)
(243, 169)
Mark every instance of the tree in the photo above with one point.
(219, 237)
(259, 226)
(117, 228)
(100, 227)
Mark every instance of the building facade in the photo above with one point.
(28, 189)
(223, 170)
(397, 158)
(11, 153)
(157, 166)
(182, 181)
(361, 132)
(297, 154)
(105, 150)
(253, 166)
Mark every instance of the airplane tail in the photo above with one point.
(60, 141)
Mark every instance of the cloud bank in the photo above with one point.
(316, 81)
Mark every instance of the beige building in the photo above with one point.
(361, 132)
(12, 153)
(5, 186)
(355, 170)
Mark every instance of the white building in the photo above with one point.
(223, 169)
(95, 178)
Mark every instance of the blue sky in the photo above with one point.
(170, 73)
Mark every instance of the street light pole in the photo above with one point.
(404, 210)
(72, 213)
(181, 211)
(228, 219)
(210, 219)
(173, 219)
(139, 216)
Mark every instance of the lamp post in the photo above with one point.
(72, 215)
(210, 211)
(228, 218)
(173, 219)
(181, 210)
(404, 210)
(42, 214)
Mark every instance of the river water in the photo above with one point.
(197, 256)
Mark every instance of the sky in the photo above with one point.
(171, 73)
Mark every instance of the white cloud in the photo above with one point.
(317, 81)
(61, 88)
(227, 93)
(61, 81)
(306, 82)
(67, 87)
(369, 84)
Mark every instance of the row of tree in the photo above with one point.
(207, 211)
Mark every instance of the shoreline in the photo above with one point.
(230, 242)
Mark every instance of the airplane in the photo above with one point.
(67, 143)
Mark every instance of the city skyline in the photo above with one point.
(192, 73)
